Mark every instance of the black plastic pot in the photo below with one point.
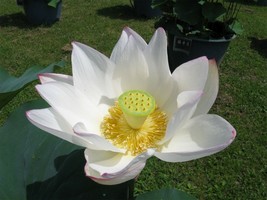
(38, 12)
(143, 8)
(262, 2)
(182, 49)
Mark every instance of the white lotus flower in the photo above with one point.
(129, 107)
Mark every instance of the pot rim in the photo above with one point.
(205, 40)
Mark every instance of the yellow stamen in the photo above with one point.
(116, 129)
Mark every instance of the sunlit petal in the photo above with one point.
(110, 168)
(119, 48)
(50, 121)
(201, 136)
(140, 42)
(91, 72)
(187, 103)
(210, 90)
(192, 75)
(52, 77)
(96, 142)
(158, 67)
(71, 104)
(132, 70)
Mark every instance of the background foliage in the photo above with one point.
(240, 172)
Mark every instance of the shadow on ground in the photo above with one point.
(70, 183)
(14, 20)
(18, 20)
(124, 12)
(244, 2)
(259, 45)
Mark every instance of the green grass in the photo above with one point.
(240, 171)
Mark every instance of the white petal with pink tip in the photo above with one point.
(110, 168)
(201, 136)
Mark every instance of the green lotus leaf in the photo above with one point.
(28, 154)
(10, 86)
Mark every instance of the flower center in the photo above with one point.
(136, 106)
(134, 123)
